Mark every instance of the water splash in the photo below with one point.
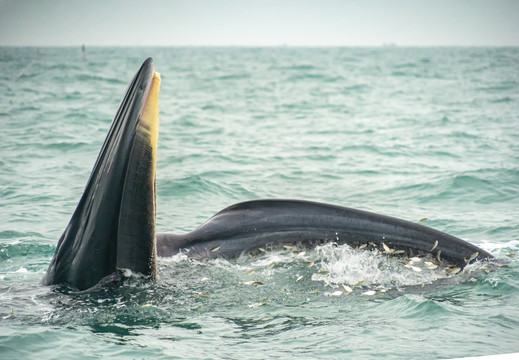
(327, 269)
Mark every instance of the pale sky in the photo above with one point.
(259, 23)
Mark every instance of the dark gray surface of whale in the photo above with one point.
(250, 225)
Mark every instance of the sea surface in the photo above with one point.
(423, 134)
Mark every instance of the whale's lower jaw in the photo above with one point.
(113, 226)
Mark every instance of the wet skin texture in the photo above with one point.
(246, 226)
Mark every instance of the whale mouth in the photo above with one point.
(113, 226)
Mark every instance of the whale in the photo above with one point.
(112, 230)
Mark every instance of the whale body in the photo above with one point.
(113, 226)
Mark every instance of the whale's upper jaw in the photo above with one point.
(113, 226)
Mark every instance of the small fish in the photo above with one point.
(454, 270)
(249, 272)
(347, 288)
(438, 256)
(423, 219)
(358, 283)
(311, 263)
(205, 279)
(363, 246)
(300, 278)
(369, 292)
(434, 246)
(215, 249)
(301, 254)
(264, 299)
(146, 305)
(397, 252)
(255, 282)
(416, 268)
(251, 256)
(511, 255)
(323, 272)
(430, 265)
(415, 259)
(387, 248)
(314, 291)
(262, 249)
(336, 293)
(198, 296)
(472, 257)
(290, 247)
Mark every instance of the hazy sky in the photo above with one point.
(259, 23)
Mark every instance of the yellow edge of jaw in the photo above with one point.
(149, 123)
(149, 128)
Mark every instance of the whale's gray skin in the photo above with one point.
(113, 226)
(262, 223)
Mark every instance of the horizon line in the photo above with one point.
(388, 45)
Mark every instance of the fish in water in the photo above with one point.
(112, 230)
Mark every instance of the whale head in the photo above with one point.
(113, 226)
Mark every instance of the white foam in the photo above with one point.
(336, 266)
(344, 265)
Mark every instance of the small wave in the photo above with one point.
(197, 185)
(463, 135)
(312, 76)
(464, 181)
(233, 77)
(89, 77)
(407, 65)
(478, 187)
(17, 235)
(20, 248)
(505, 99)
(504, 86)
(26, 108)
(27, 75)
(399, 73)
(300, 67)
(355, 88)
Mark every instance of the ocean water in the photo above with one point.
(408, 132)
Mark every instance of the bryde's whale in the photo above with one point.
(113, 226)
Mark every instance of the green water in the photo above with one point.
(409, 132)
